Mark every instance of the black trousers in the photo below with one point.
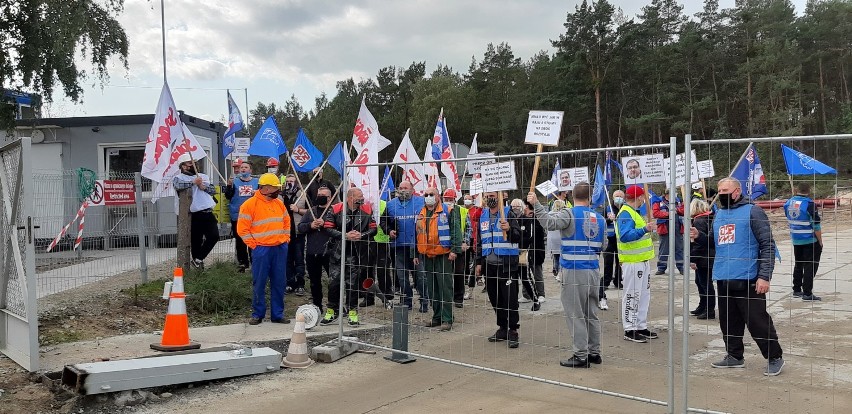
(296, 262)
(739, 307)
(315, 264)
(382, 269)
(470, 264)
(354, 274)
(706, 291)
(460, 266)
(807, 258)
(612, 271)
(204, 233)
(243, 252)
(502, 287)
(528, 282)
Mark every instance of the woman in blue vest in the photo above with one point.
(498, 262)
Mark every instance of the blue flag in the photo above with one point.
(599, 192)
(387, 184)
(305, 155)
(749, 172)
(268, 142)
(554, 178)
(235, 124)
(337, 158)
(801, 164)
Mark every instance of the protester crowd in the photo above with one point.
(438, 248)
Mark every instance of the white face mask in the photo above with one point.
(468, 203)
(430, 200)
(518, 210)
(272, 170)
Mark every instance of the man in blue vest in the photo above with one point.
(806, 234)
(237, 192)
(582, 231)
(398, 222)
(498, 262)
(745, 259)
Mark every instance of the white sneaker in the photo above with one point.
(558, 279)
(524, 300)
(541, 299)
(468, 294)
(603, 305)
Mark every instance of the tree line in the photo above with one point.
(757, 69)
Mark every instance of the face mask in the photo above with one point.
(289, 186)
(189, 171)
(245, 175)
(726, 200)
(619, 200)
(430, 200)
(272, 170)
(359, 202)
(491, 202)
(404, 195)
(468, 203)
(322, 200)
(274, 194)
(518, 210)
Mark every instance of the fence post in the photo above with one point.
(140, 222)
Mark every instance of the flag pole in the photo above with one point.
(163, 30)
(304, 189)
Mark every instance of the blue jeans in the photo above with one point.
(403, 264)
(268, 263)
(663, 262)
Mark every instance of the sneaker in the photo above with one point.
(773, 367)
(353, 318)
(282, 320)
(705, 316)
(660, 272)
(731, 362)
(445, 327)
(241, 269)
(459, 305)
(300, 292)
(648, 334)
(541, 299)
(499, 336)
(595, 359)
(288, 290)
(468, 294)
(432, 324)
(575, 362)
(513, 338)
(330, 316)
(255, 321)
(536, 307)
(811, 298)
(198, 264)
(635, 336)
(697, 311)
(797, 294)
(524, 299)
(603, 305)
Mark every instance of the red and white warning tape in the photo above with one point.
(81, 215)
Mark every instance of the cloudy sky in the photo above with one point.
(275, 48)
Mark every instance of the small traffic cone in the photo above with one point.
(297, 352)
(176, 329)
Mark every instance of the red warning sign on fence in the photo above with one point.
(113, 193)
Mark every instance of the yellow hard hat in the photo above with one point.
(269, 179)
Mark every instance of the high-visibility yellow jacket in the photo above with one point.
(263, 222)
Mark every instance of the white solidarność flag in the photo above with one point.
(411, 172)
(367, 141)
(164, 186)
(165, 134)
(430, 168)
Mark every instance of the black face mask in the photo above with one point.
(274, 194)
(359, 202)
(189, 171)
(726, 200)
(322, 200)
(491, 202)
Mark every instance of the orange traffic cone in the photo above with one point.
(297, 352)
(176, 329)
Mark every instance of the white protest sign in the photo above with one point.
(641, 169)
(543, 127)
(475, 186)
(680, 169)
(241, 146)
(547, 188)
(568, 177)
(499, 176)
(705, 169)
(475, 166)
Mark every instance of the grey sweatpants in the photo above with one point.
(580, 301)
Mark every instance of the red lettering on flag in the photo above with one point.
(362, 134)
(301, 155)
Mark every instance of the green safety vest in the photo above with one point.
(380, 236)
(463, 214)
(636, 251)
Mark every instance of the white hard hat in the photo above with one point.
(696, 186)
(185, 157)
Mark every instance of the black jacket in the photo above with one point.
(316, 239)
(703, 249)
(533, 239)
(360, 220)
